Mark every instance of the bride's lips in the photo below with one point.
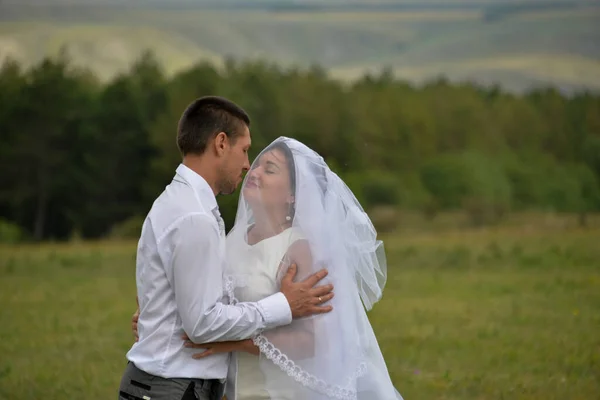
(251, 184)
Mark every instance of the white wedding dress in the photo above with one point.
(258, 265)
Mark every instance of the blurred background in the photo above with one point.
(469, 131)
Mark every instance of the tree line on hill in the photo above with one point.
(87, 158)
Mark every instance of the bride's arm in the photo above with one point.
(299, 332)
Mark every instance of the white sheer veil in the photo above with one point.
(329, 356)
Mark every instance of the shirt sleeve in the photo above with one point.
(197, 279)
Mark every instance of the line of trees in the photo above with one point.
(82, 157)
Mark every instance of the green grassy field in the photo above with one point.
(504, 313)
(529, 47)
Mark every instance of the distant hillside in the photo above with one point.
(516, 44)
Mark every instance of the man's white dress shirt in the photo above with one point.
(179, 276)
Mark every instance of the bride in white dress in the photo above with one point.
(293, 210)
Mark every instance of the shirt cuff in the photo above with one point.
(276, 310)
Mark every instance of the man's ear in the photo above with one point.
(221, 143)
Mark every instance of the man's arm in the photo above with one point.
(197, 279)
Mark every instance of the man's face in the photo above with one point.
(235, 162)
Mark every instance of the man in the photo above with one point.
(179, 267)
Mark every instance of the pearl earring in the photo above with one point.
(288, 218)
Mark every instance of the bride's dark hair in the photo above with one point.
(289, 159)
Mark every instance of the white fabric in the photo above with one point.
(246, 379)
(179, 277)
(330, 356)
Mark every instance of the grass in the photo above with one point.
(419, 45)
(504, 313)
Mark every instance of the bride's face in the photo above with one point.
(268, 183)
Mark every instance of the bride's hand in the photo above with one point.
(134, 324)
(220, 347)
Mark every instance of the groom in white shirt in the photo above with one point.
(179, 267)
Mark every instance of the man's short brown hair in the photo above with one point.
(204, 118)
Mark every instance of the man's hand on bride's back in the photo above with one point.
(304, 297)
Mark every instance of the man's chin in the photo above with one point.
(228, 190)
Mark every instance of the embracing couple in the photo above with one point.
(252, 314)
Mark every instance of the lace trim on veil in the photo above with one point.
(294, 371)
(301, 376)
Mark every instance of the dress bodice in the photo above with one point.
(256, 271)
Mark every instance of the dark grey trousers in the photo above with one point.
(139, 385)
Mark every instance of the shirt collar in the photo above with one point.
(200, 186)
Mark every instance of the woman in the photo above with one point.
(294, 210)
